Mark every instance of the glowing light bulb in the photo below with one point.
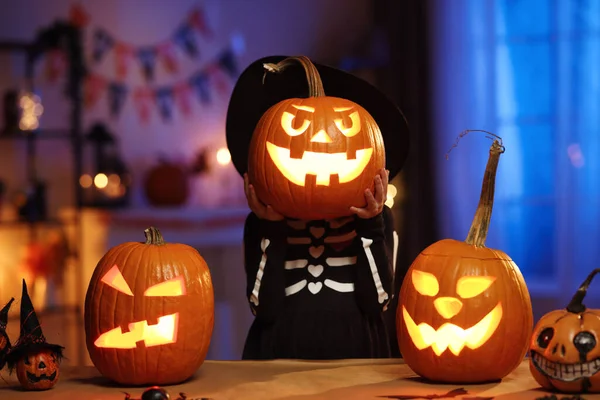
(223, 156)
(101, 180)
(86, 181)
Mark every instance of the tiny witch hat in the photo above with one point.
(3, 335)
(31, 338)
(251, 99)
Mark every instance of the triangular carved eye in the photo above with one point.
(172, 287)
(114, 279)
(425, 283)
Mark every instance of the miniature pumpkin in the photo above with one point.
(149, 312)
(464, 312)
(166, 184)
(313, 158)
(564, 350)
(38, 371)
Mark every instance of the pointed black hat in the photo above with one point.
(252, 97)
(4, 314)
(31, 338)
(4, 344)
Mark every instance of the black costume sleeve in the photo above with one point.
(374, 276)
(264, 258)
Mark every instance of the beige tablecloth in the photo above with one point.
(282, 379)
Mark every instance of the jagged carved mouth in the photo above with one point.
(163, 332)
(43, 377)
(565, 372)
(450, 336)
(322, 165)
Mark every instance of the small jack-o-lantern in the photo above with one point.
(313, 158)
(565, 348)
(38, 371)
(36, 361)
(149, 312)
(464, 313)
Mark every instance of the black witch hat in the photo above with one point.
(31, 339)
(5, 344)
(253, 95)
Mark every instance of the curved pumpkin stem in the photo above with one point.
(153, 236)
(483, 215)
(576, 305)
(315, 85)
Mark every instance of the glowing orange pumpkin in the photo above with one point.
(149, 312)
(464, 313)
(313, 158)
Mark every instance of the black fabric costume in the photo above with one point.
(309, 303)
(313, 289)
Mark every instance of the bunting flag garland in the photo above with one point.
(185, 37)
(216, 76)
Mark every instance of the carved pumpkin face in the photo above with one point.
(148, 302)
(565, 347)
(38, 371)
(313, 158)
(460, 306)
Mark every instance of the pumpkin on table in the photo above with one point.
(464, 313)
(149, 312)
(36, 361)
(565, 350)
(166, 184)
(313, 158)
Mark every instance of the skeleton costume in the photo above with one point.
(318, 289)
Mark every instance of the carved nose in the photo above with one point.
(448, 307)
(584, 343)
(321, 137)
(41, 365)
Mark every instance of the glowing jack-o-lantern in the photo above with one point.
(565, 347)
(313, 158)
(149, 312)
(464, 313)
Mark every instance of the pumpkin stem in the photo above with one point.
(481, 221)
(153, 236)
(576, 305)
(315, 85)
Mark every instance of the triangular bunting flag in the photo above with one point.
(147, 57)
(184, 37)
(197, 19)
(200, 83)
(164, 100)
(102, 43)
(116, 97)
(228, 63)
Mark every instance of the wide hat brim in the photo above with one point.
(251, 99)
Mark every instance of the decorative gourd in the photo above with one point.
(464, 313)
(564, 350)
(39, 370)
(166, 184)
(149, 312)
(313, 158)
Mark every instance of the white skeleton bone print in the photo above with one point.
(316, 270)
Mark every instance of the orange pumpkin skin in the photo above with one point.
(449, 260)
(328, 198)
(38, 371)
(142, 266)
(565, 347)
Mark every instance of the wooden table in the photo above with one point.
(286, 379)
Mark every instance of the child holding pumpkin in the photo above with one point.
(319, 286)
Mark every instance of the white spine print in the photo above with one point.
(264, 243)
(381, 294)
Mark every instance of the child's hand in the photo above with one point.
(262, 211)
(374, 202)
